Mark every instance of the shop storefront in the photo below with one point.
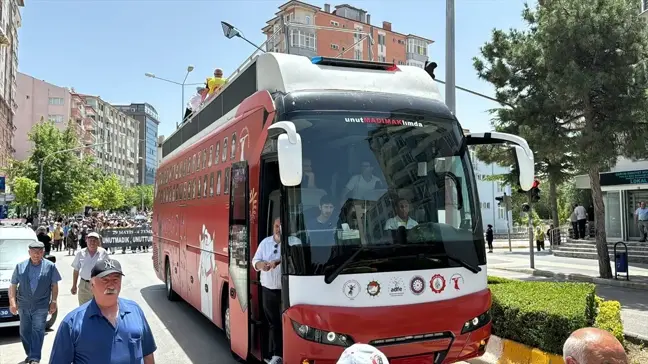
(623, 190)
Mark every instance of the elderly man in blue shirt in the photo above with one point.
(107, 329)
(33, 293)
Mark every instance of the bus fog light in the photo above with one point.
(303, 330)
(330, 336)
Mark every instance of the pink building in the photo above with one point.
(37, 100)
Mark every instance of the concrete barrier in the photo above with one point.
(504, 351)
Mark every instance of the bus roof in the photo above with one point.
(285, 73)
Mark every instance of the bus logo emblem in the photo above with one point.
(351, 289)
(373, 288)
(417, 285)
(396, 287)
(457, 281)
(437, 283)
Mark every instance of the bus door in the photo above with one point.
(238, 251)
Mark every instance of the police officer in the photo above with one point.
(32, 295)
(107, 329)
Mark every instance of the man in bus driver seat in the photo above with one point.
(402, 217)
(267, 260)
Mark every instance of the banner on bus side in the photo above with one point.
(130, 237)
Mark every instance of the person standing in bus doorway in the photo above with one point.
(206, 268)
(267, 260)
(83, 263)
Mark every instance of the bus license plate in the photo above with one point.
(4, 313)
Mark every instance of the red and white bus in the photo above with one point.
(418, 293)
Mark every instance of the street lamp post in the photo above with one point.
(181, 84)
(42, 165)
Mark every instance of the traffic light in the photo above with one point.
(429, 68)
(500, 200)
(526, 207)
(535, 191)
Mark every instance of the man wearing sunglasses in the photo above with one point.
(267, 260)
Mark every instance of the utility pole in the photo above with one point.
(450, 92)
(508, 220)
(531, 251)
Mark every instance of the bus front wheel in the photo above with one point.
(171, 295)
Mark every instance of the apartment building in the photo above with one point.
(148, 120)
(115, 137)
(305, 29)
(10, 22)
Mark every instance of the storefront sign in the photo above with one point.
(624, 178)
(131, 237)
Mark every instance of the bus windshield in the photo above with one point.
(382, 192)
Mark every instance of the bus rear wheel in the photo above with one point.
(170, 293)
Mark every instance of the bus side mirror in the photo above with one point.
(526, 168)
(289, 152)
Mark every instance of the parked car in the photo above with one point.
(14, 248)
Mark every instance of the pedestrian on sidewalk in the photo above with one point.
(540, 238)
(641, 219)
(574, 222)
(581, 217)
(593, 345)
(32, 295)
(107, 329)
(83, 263)
(489, 238)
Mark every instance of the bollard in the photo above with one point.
(621, 261)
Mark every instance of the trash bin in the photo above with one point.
(621, 261)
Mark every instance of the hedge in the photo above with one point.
(543, 314)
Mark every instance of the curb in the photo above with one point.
(579, 278)
(504, 351)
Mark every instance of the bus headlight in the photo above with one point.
(476, 322)
(320, 336)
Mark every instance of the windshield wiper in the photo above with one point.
(329, 278)
(473, 268)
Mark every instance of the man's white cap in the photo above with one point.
(362, 354)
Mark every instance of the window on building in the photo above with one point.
(501, 213)
(381, 39)
(55, 118)
(644, 5)
(358, 54)
(302, 39)
(56, 101)
(307, 20)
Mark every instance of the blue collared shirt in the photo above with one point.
(34, 272)
(85, 336)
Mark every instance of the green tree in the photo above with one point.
(109, 193)
(512, 62)
(25, 191)
(594, 53)
(64, 174)
(134, 195)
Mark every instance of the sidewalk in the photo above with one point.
(632, 295)
(515, 244)
(583, 270)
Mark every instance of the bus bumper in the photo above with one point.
(427, 333)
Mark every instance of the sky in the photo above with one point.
(104, 47)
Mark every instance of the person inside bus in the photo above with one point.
(267, 260)
(402, 218)
(361, 183)
(308, 177)
(323, 221)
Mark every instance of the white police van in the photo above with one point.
(14, 248)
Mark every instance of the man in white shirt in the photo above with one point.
(267, 260)
(581, 217)
(402, 217)
(360, 184)
(83, 263)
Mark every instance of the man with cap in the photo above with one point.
(83, 263)
(32, 295)
(107, 329)
(362, 354)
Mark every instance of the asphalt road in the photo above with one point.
(182, 334)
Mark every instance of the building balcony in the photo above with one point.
(88, 138)
(76, 113)
(88, 124)
(416, 57)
